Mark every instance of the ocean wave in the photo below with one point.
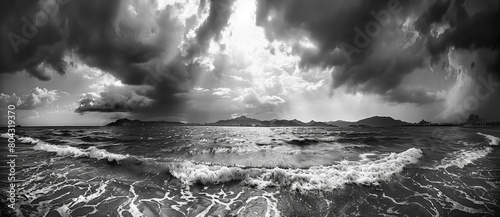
(90, 152)
(302, 142)
(493, 139)
(20, 139)
(313, 178)
(369, 172)
(66, 150)
(358, 134)
(28, 140)
(361, 140)
(464, 157)
(222, 150)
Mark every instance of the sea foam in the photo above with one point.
(313, 178)
(493, 139)
(66, 150)
(90, 152)
(5, 135)
(302, 179)
(21, 139)
(465, 157)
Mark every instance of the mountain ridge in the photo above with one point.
(374, 121)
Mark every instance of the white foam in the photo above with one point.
(66, 150)
(464, 157)
(493, 139)
(20, 139)
(28, 140)
(366, 156)
(5, 135)
(313, 178)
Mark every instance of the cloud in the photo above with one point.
(466, 30)
(157, 59)
(419, 96)
(468, 45)
(373, 51)
(110, 95)
(327, 23)
(115, 101)
(257, 104)
(222, 92)
(220, 11)
(476, 89)
(27, 46)
(378, 66)
(37, 97)
(137, 42)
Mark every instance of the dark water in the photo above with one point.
(244, 171)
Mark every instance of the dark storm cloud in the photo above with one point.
(434, 14)
(25, 45)
(220, 11)
(340, 27)
(379, 73)
(419, 96)
(471, 30)
(330, 23)
(379, 65)
(40, 74)
(98, 35)
(136, 50)
(479, 30)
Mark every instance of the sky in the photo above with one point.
(76, 62)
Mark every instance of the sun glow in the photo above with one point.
(242, 34)
(258, 71)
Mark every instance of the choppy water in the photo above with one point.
(245, 171)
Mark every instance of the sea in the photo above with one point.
(252, 171)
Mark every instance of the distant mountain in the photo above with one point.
(240, 121)
(359, 126)
(127, 122)
(318, 124)
(378, 121)
(245, 121)
(375, 121)
(341, 123)
(284, 123)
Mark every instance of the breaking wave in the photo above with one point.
(313, 178)
(302, 179)
(493, 140)
(5, 135)
(465, 157)
(66, 150)
(90, 152)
